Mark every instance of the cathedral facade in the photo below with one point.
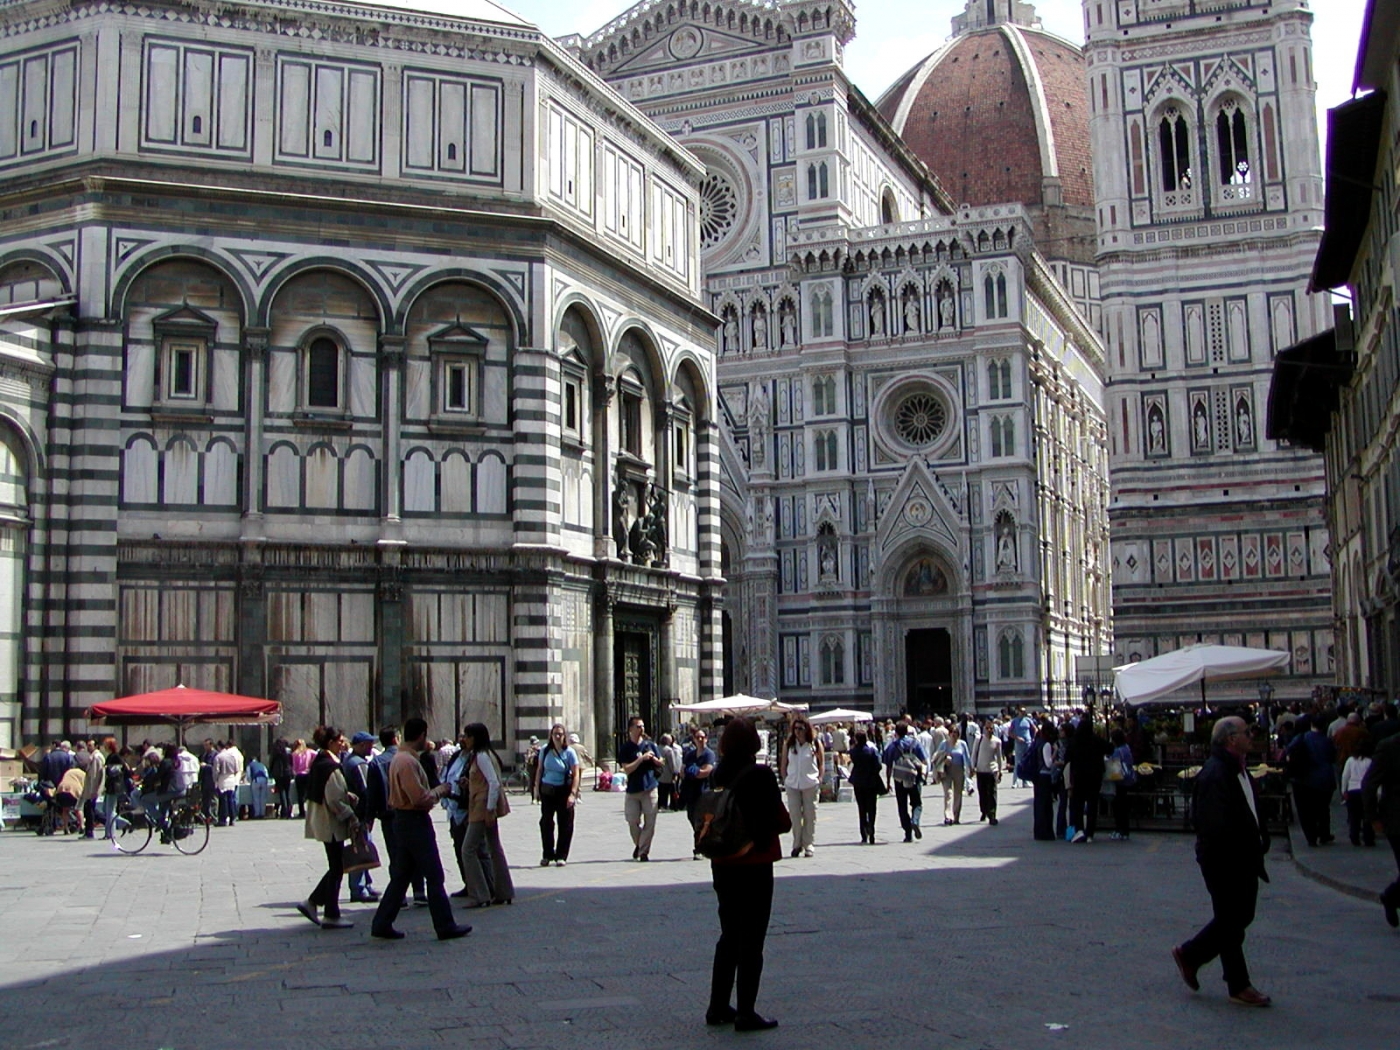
(351, 356)
(1171, 167)
(913, 458)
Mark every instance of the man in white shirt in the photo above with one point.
(228, 770)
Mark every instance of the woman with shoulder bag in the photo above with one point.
(1123, 754)
(866, 783)
(483, 860)
(744, 882)
(557, 776)
(331, 820)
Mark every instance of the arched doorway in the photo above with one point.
(14, 545)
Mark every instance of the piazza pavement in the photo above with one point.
(976, 937)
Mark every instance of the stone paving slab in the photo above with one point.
(975, 937)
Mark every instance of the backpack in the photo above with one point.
(907, 769)
(719, 825)
(1030, 765)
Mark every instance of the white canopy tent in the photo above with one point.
(1151, 679)
(841, 714)
(738, 704)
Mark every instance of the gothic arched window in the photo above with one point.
(822, 177)
(1011, 658)
(1174, 144)
(821, 131)
(1232, 143)
(811, 182)
(811, 131)
(833, 661)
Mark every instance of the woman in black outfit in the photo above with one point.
(1085, 755)
(744, 882)
(279, 767)
(865, 783)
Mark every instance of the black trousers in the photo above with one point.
(987, 795)
(1084, 810)
(866, 797)
(1234, 892)
(458, 831)
(1121, 802)
(1314, 813)
(554, 806)
(1044, 808)
(327, 892)
(1359, 829)
(414, 854)
(911, 805)
(303, 781)
(387, 823)
(1392, 892)
(745, 893)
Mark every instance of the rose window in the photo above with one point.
(719, 209)
(919, 419)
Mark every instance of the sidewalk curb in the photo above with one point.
(1305, 869)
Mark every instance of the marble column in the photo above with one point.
(603, 727)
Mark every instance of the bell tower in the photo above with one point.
(1208, 192)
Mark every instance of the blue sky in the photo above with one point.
(890, 39)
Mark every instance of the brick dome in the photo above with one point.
(995, 113)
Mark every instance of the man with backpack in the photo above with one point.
(906, 764)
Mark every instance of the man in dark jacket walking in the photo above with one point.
(1381, 792)
(1230, 846)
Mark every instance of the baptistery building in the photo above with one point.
(353, 355)
(913, 445)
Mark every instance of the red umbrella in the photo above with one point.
(184, 707)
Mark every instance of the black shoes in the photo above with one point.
(908, 836)
(390, 934)
(453, 932)
(753, 1023)
(992, 821)
(721, 1015)
(918, 834)
(309, 910)
(1392, 909)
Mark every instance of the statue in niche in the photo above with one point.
(828, 564)
(622, 511)
(787, 325)
(911, 312)
(1156, 432)
(945, 306)
(731, 332)
(1244, 426)
(760, 328)
(1201, 425)
(639, 540)
(758, 425)
(657, 501)
(877, 315)
(1006, 546)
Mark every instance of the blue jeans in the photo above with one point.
(257, 801)
(228, 807)
(110, 804)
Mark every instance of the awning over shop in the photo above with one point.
(1304, 392)
(1353, 144)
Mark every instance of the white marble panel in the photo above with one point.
(181, 474)
(357, 616)
(494, 394)
(416, 382)
(363, 377)
(419, 476)
(281, 381)
(140, 374)
(139, 473)
(491, 485)
(456, 622)
(456, 484)
(284, 478)
(349, 686)
(322, 479)
(360, 481)
(492, 621)
(224, 383)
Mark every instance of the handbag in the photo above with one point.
(1113, 769)
(359, 854)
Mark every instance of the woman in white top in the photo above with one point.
(800, 767)
(1353, 773)
(953, 760)
(483, 860)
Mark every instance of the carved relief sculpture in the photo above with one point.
(787, 324)
(622, 510)
(945, 305)
(877, 315)
(1006, 544)
(731, 332)
(911, 311)
(658, 527)
(759, 410)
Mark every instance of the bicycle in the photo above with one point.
(186, 827)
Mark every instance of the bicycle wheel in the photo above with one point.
(131, 832)
(189, 830)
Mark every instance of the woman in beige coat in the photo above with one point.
(484, 863)
(329, 820)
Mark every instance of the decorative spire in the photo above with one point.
(979, 14)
